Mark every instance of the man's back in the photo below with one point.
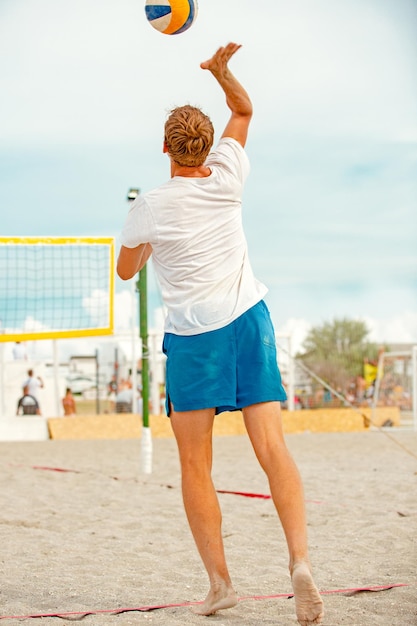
(199, 248)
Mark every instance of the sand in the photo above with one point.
(105, 536)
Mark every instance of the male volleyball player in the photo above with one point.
(219, 340)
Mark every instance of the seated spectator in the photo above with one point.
(28, 404)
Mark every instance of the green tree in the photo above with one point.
(336, 350)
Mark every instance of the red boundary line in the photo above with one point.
(55, 469)
(258, 495)
(246, 494)
(183, 604)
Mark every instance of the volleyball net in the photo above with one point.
(57, 287)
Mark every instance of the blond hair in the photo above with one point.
(189, 136)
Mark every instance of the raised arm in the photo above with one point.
(237, 98)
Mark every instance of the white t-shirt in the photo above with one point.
(199, 248)
(33, 384)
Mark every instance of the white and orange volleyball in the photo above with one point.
(171, 17)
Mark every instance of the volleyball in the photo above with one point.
(171, 17)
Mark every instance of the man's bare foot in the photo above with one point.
(220, 596)
(308, 603)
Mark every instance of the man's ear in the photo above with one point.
(165, 147)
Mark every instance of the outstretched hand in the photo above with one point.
(237, 98)
(218, 62)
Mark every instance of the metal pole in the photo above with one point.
(56, 378)
(143, 328)
(97, 384)
(116, 370)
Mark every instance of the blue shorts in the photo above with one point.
(226, 369)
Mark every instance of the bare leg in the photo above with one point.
(193, 432)
(264, 426)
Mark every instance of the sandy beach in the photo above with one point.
(103, 536)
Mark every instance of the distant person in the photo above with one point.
(371, 373)
(34, 383)
(19, 351)
(28, 404)
(68, 402)
(124, 400)
(360, 388)
(112, 385)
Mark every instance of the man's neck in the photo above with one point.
(189, 172)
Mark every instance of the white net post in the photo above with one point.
(146, 450)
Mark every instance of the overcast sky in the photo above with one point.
(330, 207)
